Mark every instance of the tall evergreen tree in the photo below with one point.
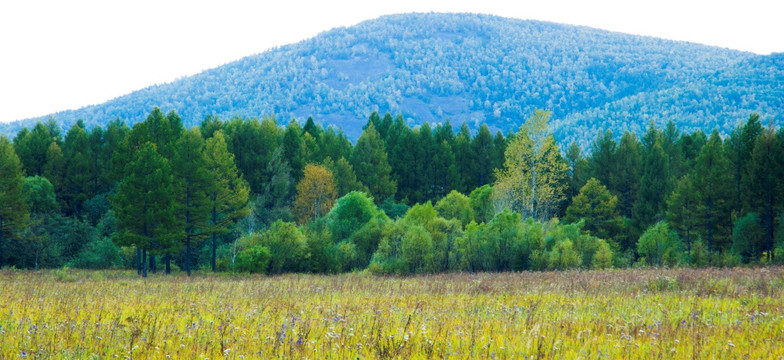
(649, 207)
(483, 150)
(712, 183)
(371, 165)
(32, 146)
(625, 182)
(683, 209)
(597, 207)
(76, 188)
(292, 149)
(738, 148)
(145, 204)
(229, 193)
(766, 170)
(602, 161)
(14, 213)
(193, 185)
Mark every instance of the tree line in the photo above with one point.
(252, 195)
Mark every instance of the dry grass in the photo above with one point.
(681, 313)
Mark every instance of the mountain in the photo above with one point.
(472, 68)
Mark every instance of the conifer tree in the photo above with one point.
(683, 210)
(75, 188)
(649, 207)
(14, 212)
(229, 193)
(145, 204)
(193, 184)
(713, 185)
(628, 170)
(603, 162)
(370, 163)
(766, 170)
(54, 168)
(738, 149)
(597, 207)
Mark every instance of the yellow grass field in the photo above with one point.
(621, 314)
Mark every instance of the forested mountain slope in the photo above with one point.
(472, 68)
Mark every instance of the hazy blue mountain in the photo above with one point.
(473, 68)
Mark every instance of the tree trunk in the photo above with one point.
(188, 254)
(144, 263)
(138, 260)
(214, 244)
(153, 266)
(214, 240)
(168, 263)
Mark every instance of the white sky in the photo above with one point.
(58, 55)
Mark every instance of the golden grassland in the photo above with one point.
(631, 314)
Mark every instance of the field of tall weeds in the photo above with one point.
(633, 314)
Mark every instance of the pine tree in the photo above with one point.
(345, 178)
(649, 207)
(766, 169)
(370, 164)
(54, 168)
(32, 146)
(14, 213)
(482, 147)
(738, 148)
(683, 210)
(145, 204)
(192, 186)
(603, 162)
(712, 183)
(578, 169)
(597, 207)
(292, 149)
(229, 193)
(625, 182)
(75, 188)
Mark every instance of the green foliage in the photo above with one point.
(533, 180)
(287, 247)
(659, 246)
(350, 213)
(748, 238)
(145, 203)
(101, 253)
(369, 159)
(713, 186)
(597, 208)
(649, 207)
(481, 201)
(456, 206)
(39, 194)
(253, 259)
(14, 212)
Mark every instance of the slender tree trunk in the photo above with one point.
(188, 254)
(214, 240)
(144, 263)
(214, 245)
(138, 260)
(168, 263)
(153, 264)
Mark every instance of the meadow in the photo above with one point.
(629, 314)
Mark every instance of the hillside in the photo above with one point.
(473, 68)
